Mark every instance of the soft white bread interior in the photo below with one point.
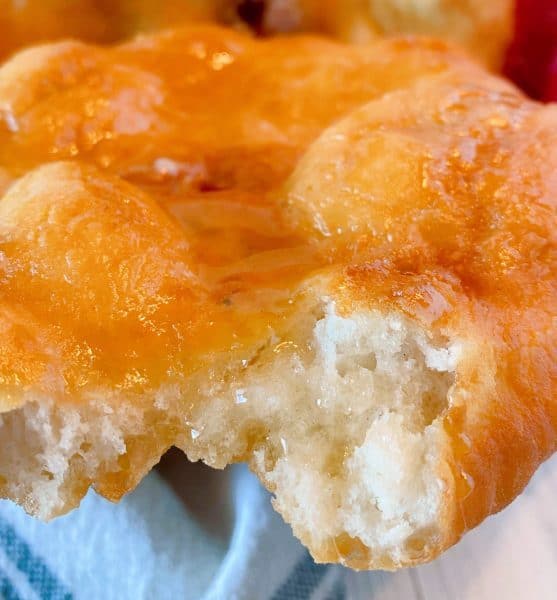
(341, 417)
(348, 432)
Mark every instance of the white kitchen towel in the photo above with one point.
(151, 546)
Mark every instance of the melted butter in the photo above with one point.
(197, 257)
(191, 223)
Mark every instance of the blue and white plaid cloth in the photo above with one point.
(149, 546)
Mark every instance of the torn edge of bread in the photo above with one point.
(341, 418)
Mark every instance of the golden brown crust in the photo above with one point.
(466, 243)
(190, 224)
(186, 128)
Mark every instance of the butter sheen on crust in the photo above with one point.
(335, 263)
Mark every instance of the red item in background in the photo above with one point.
(531, 60)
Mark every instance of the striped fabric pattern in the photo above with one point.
(30, 567)
(149, 546)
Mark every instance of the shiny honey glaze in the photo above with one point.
(166, 200)
(196, 130)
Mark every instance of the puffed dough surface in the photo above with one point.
(336, 263)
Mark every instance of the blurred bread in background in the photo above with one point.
(484, 28)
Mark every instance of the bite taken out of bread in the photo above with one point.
(334, 263)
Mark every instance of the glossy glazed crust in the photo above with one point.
(174, 119)
(463, 240)
(167, 216)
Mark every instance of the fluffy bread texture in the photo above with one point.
(356, 296)
(342, 421)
